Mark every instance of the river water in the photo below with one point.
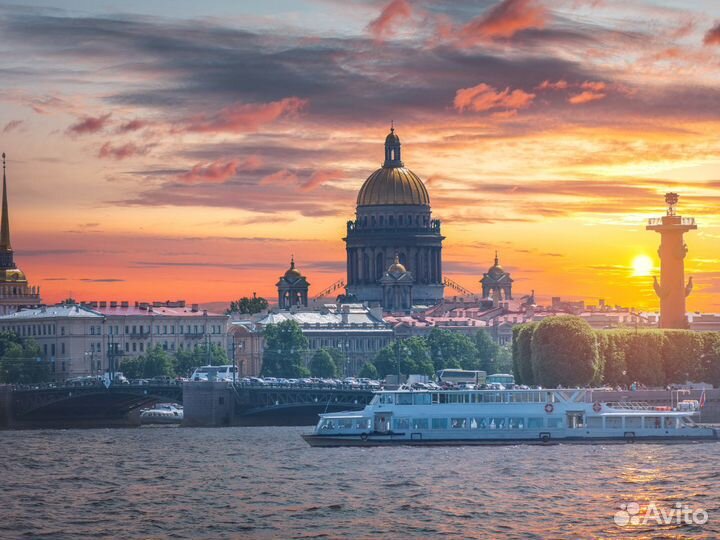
(164, 482)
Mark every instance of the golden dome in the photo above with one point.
(393, 185)
(396, 267)
(293, 272)
(12, 275)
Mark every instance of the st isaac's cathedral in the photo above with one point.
(394, 247)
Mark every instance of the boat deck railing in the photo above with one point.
(630, 405)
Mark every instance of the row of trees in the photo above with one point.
(158, 362)
(440, 349)
(248, 306)
(566, 351)
(286, 347)
(21, 361)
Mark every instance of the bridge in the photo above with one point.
(206, 404)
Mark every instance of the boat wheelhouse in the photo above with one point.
(504, 417)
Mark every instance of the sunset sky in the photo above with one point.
(182, 149)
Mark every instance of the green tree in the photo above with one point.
(248, 306)
(451, 350)
(643, 356)
(21, 361)
(186, 360)
(414, 355)
(522, 353)
(564, 352)
(488, 352)
(682, 355)
(340, 359)
(369, 371)
(503, 361)
(323, 365)
(611, 348)
(711, 358)
(285, 346)
(154, 363)
(133, 368)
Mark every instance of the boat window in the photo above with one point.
(669, 424)
(401, 423)
(386, 399)
(452, 398)
(439, 423)
(458, 423)
(345, 423)
(653, 422)
(478, 423)
(443, 398)
(497, 423)
(613, 422)
(436, 398)
(404, 399)
(420, 423)
(554, 423)
(633, 422)
(327, 424)
(363, 423)
(535, 422)
(516, 423)
(421, 398)
(595, 422)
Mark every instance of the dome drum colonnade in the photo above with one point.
(393, 217)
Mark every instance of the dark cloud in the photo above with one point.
(102, 280)
(11, 125)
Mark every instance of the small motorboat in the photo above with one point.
(162, 413)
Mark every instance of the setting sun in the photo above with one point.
(642, 266)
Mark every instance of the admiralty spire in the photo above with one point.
(15, 293)
(393, 218)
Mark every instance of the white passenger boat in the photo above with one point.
(505, 417)
(162, 413)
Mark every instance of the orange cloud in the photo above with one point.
(505, 20)
(242, 117)
(132, 125)
(594, 86)
(712, 37)
(219, 171)
(484, 97)
(89, 124)
(282, 176)
(585, 97)
(397, 9)
(547, 85)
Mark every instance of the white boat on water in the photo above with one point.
(162, 413)
(462, 417)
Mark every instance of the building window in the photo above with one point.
(62, 348)
(134, 347)
(142, 347)
(127, 347)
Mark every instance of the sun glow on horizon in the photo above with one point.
(642, 266)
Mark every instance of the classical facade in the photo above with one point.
(94, 337)
(393, 216)
(15, 292)
(397, 286)
(496, 282)
(355, 330)
(292, 288)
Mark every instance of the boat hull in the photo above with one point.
(329, 441)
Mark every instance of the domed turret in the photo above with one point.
(396, 267)
(496, 282)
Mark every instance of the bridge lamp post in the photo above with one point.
(344, 346)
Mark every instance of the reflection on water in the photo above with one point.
(267, 483)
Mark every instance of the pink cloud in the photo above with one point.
(282, 176)
(320, 177)
(107, 150)
(712, 37)
(11, 125)
(219, 171)
(89, 124)
(505, 20)
(132, 125)
(397, 9)
(585, 97)
(547, 85)
(241, 117)
(484, 97)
